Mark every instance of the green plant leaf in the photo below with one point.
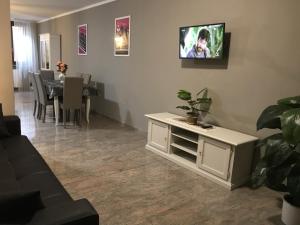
(291, 101)
(184, 95)
(271, 177)
(184, 107)
(279, 167)
(270, 117)
(277, 152)
(290, 123)
(192, 102)
(293, 185)
(204, 100)
(259, 176)
(205, 104)
(204, 91)
(276, 177)
(277, 136)
(276, 158)
(297, 148)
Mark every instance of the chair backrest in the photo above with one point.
(73, 92)
(47, 75)
(41, 89)
(86, 78)
(34, 86)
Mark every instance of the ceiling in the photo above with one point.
(37, 10)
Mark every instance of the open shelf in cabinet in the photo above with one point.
(184, 155)
(184, 140)
(185, 134)
(187, 147)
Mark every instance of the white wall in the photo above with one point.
(264, 59)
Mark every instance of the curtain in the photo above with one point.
(25, 53)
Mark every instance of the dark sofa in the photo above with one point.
(25, 169)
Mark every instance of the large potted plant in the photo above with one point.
(195, 106)
(279, 166)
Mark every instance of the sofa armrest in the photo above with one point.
(13, 124)
(79, 212)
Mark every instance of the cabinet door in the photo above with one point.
(214, 157)
(158, 135)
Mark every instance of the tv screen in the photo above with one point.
(202, 41)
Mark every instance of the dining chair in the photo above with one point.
(47, 75)
(44, 100)
(72, 98)
(86, 78)
(35, 93)
(86, 81)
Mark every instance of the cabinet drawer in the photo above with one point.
(158, 135)
(214, 157)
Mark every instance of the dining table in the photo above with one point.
(55, 90)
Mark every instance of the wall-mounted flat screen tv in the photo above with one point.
(202, 41)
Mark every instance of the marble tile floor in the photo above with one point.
(106, 162)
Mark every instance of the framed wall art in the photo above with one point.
(122, 36)
(82, 39)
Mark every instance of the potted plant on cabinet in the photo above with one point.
(279, 166)
(195, 106)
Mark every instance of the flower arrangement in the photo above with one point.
(61, 67)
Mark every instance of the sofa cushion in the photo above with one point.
(79, 212)
(3, 154)
(48, 185)
(18, 147)
(6, 170)
(3, 130)
(2, 150)
(56, 199)
(19, 206)
(13, 124)
(28, 165)
(9, 185)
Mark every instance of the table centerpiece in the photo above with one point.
(62, 69)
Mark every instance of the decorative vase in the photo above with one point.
(290, 213)
(61, 77)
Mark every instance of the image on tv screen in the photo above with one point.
(202, 42)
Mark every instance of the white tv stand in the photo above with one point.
(221, 155)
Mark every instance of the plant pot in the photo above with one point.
(192, 120)
(290, 213)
